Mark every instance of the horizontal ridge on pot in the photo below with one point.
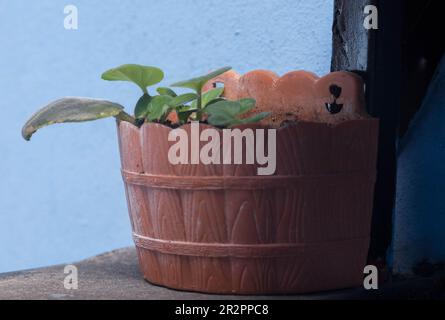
(233, 182)
(227, 250)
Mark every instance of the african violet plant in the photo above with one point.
(201, 106)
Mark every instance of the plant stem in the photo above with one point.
(123, 116)
(199, 105)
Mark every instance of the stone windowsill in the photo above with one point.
(115, 275)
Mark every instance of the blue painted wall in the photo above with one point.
(61, 195)
(420, 206)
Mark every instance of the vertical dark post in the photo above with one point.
(384, 97)
(350, 39)
(376, 56)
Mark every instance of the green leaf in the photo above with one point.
(143, 76)
(185, 115)
(166, 92)
(70, 110)
(159, 106)
(197, 83)
(247, 105)
(142, 106)
(184, 112)
(211, 95)
(226, 113)
(183, 99)
(215, 101)
(223, 113)
(222, 120)
(194, 104)
(232, 108)
(235, 108)
(256, 118)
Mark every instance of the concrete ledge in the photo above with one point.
(115, 275)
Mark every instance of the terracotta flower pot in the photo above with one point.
(224, 229)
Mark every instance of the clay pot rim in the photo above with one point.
(275, 77)
(308, 75)
(331, 126)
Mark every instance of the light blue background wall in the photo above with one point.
(61, 195)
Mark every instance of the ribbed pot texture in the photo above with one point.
(223, 229)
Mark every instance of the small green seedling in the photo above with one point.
(207, 106)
